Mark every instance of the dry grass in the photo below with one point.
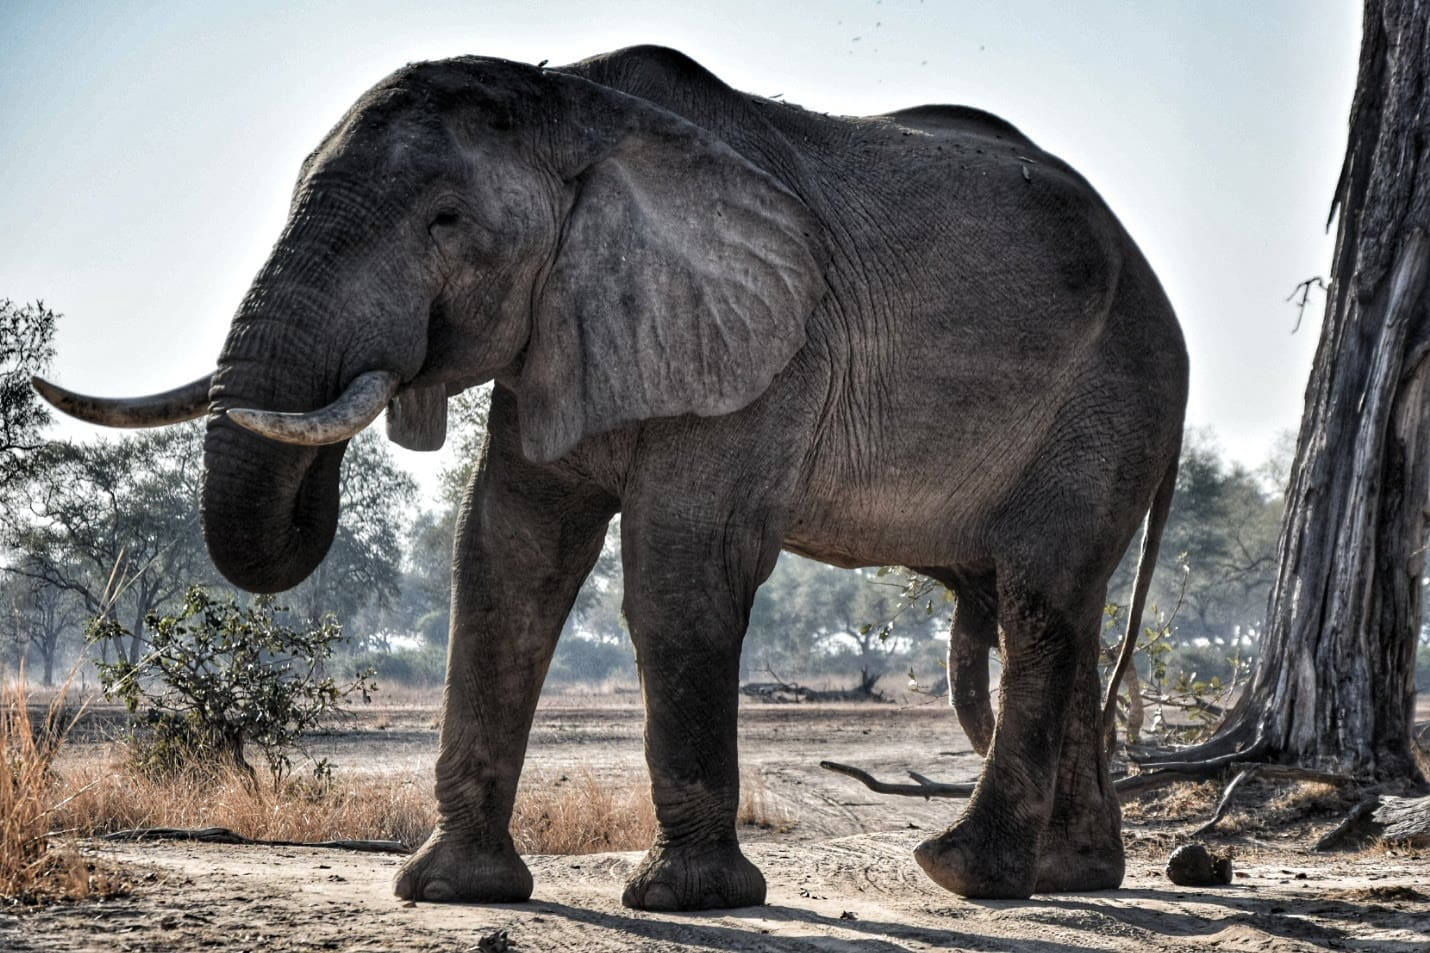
(1178, 802)
(566, 816)
(109, 795)
(45, 789)
(36, 864)
(582, 815)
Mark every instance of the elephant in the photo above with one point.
(906, 339)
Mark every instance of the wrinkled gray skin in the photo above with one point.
(909, 339)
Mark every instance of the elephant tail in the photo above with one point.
(1146, 564)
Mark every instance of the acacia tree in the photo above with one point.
(26, 333)
(115, 523)
(39, 617)
(1334, 685)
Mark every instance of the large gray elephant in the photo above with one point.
(911, 339)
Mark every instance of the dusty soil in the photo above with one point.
(839, 866)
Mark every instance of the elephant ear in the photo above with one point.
(682, 285)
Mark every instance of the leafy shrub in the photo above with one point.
(581, 659)
(218, 677)
(433, 627)
(425, 665)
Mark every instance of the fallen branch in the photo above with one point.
(1405, 818)
(222, 835)
(922, 786)
(1382, 817)
(1135, 784)
(782, 691)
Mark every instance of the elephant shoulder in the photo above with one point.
(958, 120)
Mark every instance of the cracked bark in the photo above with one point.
(1334, 685)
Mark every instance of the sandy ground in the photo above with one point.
(842, 878)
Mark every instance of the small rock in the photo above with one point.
(498, 942)
(1192, 865)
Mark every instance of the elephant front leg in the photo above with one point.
(687, 626)
(517, 571)
(993, 851)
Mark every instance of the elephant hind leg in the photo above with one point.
(972, 636)
(1082, 849)
(995, 849)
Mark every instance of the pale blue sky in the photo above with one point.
(147, 150)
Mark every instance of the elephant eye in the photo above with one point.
(445, 219)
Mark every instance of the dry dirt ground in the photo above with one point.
(840, 869)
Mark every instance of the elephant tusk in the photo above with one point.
(155, 410)
(341, 420)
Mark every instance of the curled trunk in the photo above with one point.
(269, 511)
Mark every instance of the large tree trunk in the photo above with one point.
(1334, 686)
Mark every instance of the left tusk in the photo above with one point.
(341, 420)
(155, 410)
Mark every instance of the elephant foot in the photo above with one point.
(706, 877)
(1082, 849)
(1073, 870)
(449, 869)
(968, 861)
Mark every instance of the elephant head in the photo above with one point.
(476, 219)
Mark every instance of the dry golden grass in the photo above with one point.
(576, 815)
(582, 815)
(101, 792)
(36, 864)
(109, 795)
(1177, 802)
(579, 815)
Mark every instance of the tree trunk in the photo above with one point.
(1334, 685)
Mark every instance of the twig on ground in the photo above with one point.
(922, 787)
(222, 835)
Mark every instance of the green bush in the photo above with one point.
(217, 677)
(425, 665)
(580, 659)
(432, 627)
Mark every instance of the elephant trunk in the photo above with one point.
(335, 305)
(269, 510)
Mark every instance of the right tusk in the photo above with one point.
(156, 410)
(341, 420)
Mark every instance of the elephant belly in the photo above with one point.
(895, 520)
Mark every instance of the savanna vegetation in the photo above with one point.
(108, 528)
(101, 555)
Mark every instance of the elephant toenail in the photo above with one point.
(660, 896)
(438, 890)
